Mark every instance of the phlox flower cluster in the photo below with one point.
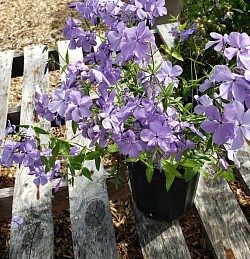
(136, 108)
(227, 111)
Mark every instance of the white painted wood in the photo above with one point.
(6, 59)
(244, 158)
(34, 238)
(160, 239)
(163, 30)
(92, 228)
(222, 218)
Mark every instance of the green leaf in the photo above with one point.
(85, 172)
(177, 56)
(67, 57)
(190, 163)
(40, 130)
(113, 148)
(170, 173)
(166, 49)
(98, 163)
(79, 158)
(56, 148)
(149, 174)
(228, 175)
(169, 89)
(183, 26)
(52, 161)
(209, 144)
(65, 147)
(44, 160)
(203, 172)
(74, 126)
(92, 155)
(188, 106)
(190, 173)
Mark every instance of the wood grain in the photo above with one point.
(92, 228)
(160, 239)
(6, 59)
(222, 218)
(244, 157)
(34, 238)
(163, 30)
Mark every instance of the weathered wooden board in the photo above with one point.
(34, 238)
(160, 239)
(92, 228)
(6, 59)
(244, 158)
(163, 30)
(60, 200)
(222, 218)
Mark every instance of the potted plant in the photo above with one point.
(139, 113)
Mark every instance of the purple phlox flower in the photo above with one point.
(106, 99)
(204, 101)
(47, 152)
(28, 153)
(8, 154)
(79, 106)
(115, 36)
(223, 164)
(219, 42)
(74, 151)
(175, 32)
(40, 176)
(137, 7)
(128, 145)
(208, 83)
(242, 125)
(97, 57)
(182, 145)
(135, 43)
(60, 101)
(168, 73)
(9, 129)
(189, 32)
(157, 134)
(247, 99)
(72, 31)
(42, 102)
(58, 185)
(233, 85)
(220, 126)
(232, 155)
(16, 221)
(30, 133)
(77, 68)
(55, 171)
(87, 41)
(96, 77)
(239, 45)
(157, 8)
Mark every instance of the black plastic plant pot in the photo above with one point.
(154, 201)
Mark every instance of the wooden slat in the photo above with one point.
(34, 238)
(244, 158)
(6, 59)
(92, 228)
(160, 239)
(223, 220)
(60, 200)
(163, 30)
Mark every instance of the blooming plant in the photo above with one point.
(139, 112)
